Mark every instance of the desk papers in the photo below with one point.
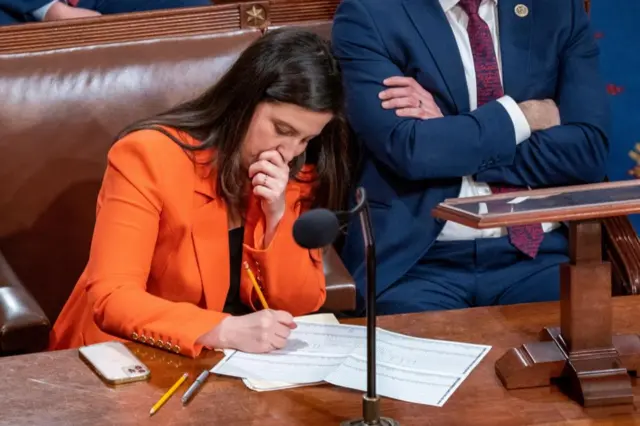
(264, 385)
(410, 369)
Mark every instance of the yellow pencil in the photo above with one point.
(256, 286)
(167, 395)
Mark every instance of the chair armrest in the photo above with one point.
(341, 288)
(23, 325)
(622, 247)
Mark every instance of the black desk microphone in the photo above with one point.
(319, 228)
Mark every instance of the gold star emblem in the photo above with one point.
(255, 16)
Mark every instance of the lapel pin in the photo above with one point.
(521, 10)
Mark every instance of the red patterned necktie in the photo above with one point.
(526, 238)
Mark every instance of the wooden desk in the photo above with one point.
(56, 388)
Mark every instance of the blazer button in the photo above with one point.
(159, 343)
(134, 335)
(150, 341)
(167, 346)
(176, 349)
(142, 339)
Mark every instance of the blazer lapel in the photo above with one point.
(211, 242)
(434, 29)
(515, 31)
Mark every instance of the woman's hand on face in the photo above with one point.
(269, 177)
(409, 99)
(258, 332)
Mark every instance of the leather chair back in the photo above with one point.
(61, 111)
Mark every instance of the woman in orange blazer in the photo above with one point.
(190, 195)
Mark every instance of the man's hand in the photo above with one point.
(635, 156)
(409, 99)
(541, 115)
(61, 11)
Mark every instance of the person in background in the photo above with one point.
(20, 11)
(191, 195)
(459, 98)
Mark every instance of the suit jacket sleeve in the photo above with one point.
(292, 278)
(122, 249)
(414, 149)
(576, 151)
(22, 7)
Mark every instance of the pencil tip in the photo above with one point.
(152, 412)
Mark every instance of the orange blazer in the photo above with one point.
(158, 270)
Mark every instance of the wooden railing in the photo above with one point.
(155, 25)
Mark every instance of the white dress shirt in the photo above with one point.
(41, 12)
(458, 20)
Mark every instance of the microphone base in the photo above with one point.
(371, 415)
(382, 421)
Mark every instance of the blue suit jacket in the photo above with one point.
(409, 165)
(20, 9)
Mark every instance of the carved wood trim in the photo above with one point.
(622, 247)
(38, 37)
(286, 12)
(254, 15)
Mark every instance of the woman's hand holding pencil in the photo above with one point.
(259, 332)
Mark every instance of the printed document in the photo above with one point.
(263, 385)
(411, 369)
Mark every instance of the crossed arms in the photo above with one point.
(417, 149)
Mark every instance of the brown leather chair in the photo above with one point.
(67, 89)
(23, 325)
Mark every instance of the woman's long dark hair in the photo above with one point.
(289, 65)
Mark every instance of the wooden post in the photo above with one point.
(582, 350)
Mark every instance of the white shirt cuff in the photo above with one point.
(41, 12)
(520, 123)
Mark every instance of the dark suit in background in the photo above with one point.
(15, 11)
(411, 165)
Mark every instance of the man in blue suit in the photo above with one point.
(18, 11)
(456, 98)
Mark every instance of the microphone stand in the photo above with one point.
(370, 400)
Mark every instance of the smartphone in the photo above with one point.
(114, 363)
